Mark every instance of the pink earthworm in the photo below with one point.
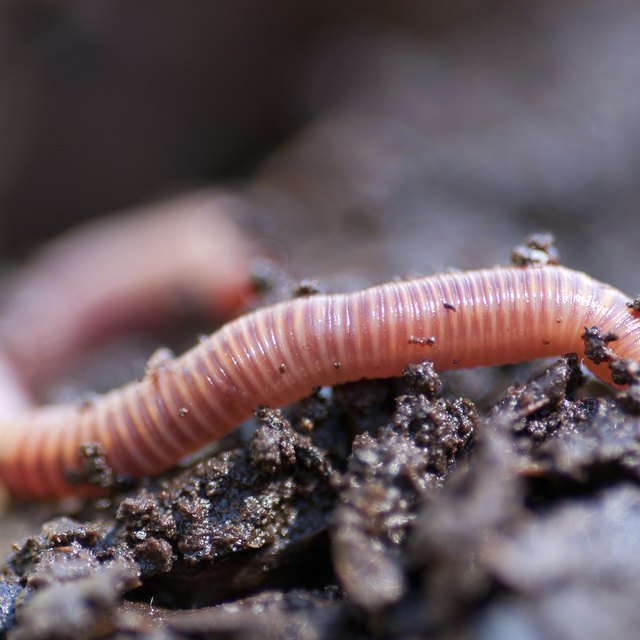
(278, 354)
(137, 267)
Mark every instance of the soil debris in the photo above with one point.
(571, 573)
(65, 582)
(306, 288)
(538, 249)
(541, 406)
(225, 525)
(634, 304)
(95, 469)
(423, 379)
(388, 475)
(595, 345)
(625, 371)
(380, 507)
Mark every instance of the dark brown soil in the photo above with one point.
(383, 508)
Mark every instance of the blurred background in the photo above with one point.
(372, 138)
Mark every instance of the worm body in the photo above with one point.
(138, 267)
(278, 354)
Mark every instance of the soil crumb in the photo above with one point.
(537, 249)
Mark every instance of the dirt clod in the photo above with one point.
(273, 446)
(388, 475)
(625, 371)
(422, 378)
(595, 345)
(95, 469)
(634, 304)
(537, 249)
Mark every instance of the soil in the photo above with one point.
(488, 504)
(383, 508)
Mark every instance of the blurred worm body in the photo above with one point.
(278, 354)
(137, 267)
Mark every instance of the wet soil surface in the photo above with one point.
(377, 509)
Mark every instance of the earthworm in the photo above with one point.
(137, 267)
(278, 354)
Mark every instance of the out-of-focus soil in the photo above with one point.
(371, 143)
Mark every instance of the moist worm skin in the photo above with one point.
(278, 354)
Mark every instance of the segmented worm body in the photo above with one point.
(278, 354)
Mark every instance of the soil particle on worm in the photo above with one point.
(538, 249)
(634, 304)
(95, 470)
(595, 344)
